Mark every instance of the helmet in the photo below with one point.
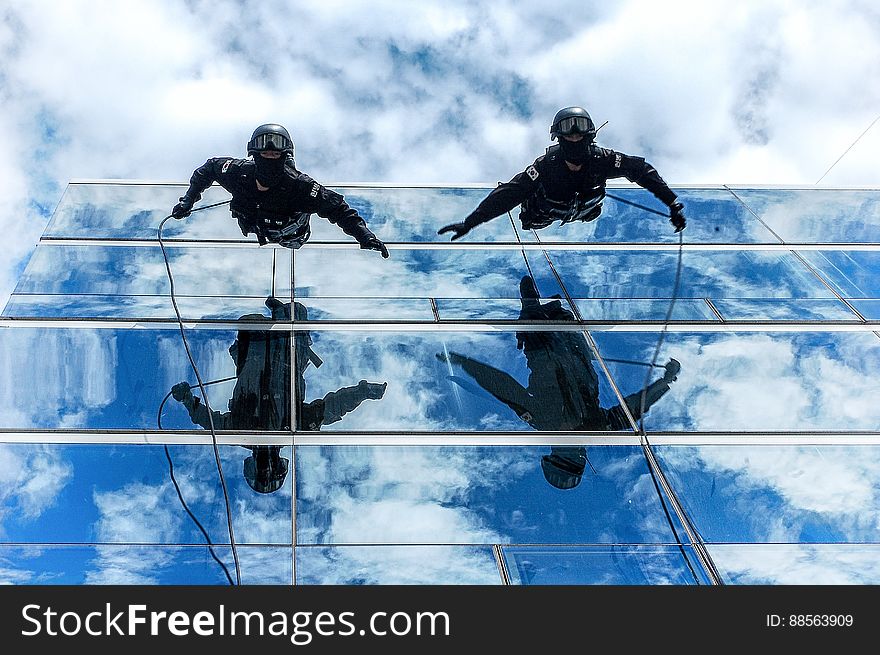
(270, 136)
(573, 120)
(265, 470)
(564, 467)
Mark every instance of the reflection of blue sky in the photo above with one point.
(641, 309)
(717, 274)
(781, 309)
(441, 273)
(778, 494)
(854, 273)
(397, 565)
(471, 495)
(601, 565)
(132, 307)
(817, 215)
(757, 381)
(134, 211)
(713, 215)
(798, 564)
(141, 270)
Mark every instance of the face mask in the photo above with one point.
(574, 151)
(269, 171)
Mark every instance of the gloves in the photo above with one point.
(676, 216)
(373, 243)
(183, 208)
(181, 391)
(460, 230)
(672, 368)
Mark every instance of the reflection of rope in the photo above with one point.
(205, 399)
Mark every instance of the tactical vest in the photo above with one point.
(540, 211)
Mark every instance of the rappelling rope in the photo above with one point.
(201, 386)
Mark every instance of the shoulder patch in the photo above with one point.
(314, 192)
(532, 172)
(226, 166)
(617, 160)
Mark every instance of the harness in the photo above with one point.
(288, 231)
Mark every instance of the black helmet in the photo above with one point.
(270, 136)
(573, 120)
(564, 466)
(265, 470)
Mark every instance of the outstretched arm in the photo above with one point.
(501, 199)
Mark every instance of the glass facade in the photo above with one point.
(517, 407)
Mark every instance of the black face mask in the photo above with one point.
(269, 171)
(575, 152)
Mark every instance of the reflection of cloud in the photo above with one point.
(428, 486)
(396, 565)
(772, 382)
(74, 373)
(799, 564)
(128, 565)
(31, 478)
(833, 485)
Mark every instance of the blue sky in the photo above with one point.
(429, 92)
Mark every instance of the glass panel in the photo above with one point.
(602, 565)
(369, 309)
(140, 565)
(140, 270)
(713, 275)
(400, 214)
(488, 381)
(397, 565)
(755, 381)
(440, 273)
(854, 273)
(779, 309)
(798, 564)
(134, 211)
(817, 215)
(445, 495)
(628, 216)
(97, 306)
(643, 309)
(108, 378)
(453, 309)
(870, 309)
(782, 494)
(124, 494)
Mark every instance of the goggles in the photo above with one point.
(270, 142)
(573, 125)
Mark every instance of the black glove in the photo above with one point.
(460, 230)
(676, 216)
(373, 243)
(181, 391)
(672, 368)
(183, 208)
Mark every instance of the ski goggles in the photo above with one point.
(573, 125)
(270, 142)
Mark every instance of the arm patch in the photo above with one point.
(532, 172)
(617, 160)
(226, 166)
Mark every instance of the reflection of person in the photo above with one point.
(271, 198)
(261, 397)
(568, 182)
(563, 387)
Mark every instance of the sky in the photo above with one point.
(435, 92)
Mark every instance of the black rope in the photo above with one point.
(204, 398)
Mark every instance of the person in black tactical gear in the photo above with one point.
(563, 387)
(568, 182)
(271, 198)
(261, 397)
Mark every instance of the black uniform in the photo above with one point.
(280, 214)
(550, 191)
